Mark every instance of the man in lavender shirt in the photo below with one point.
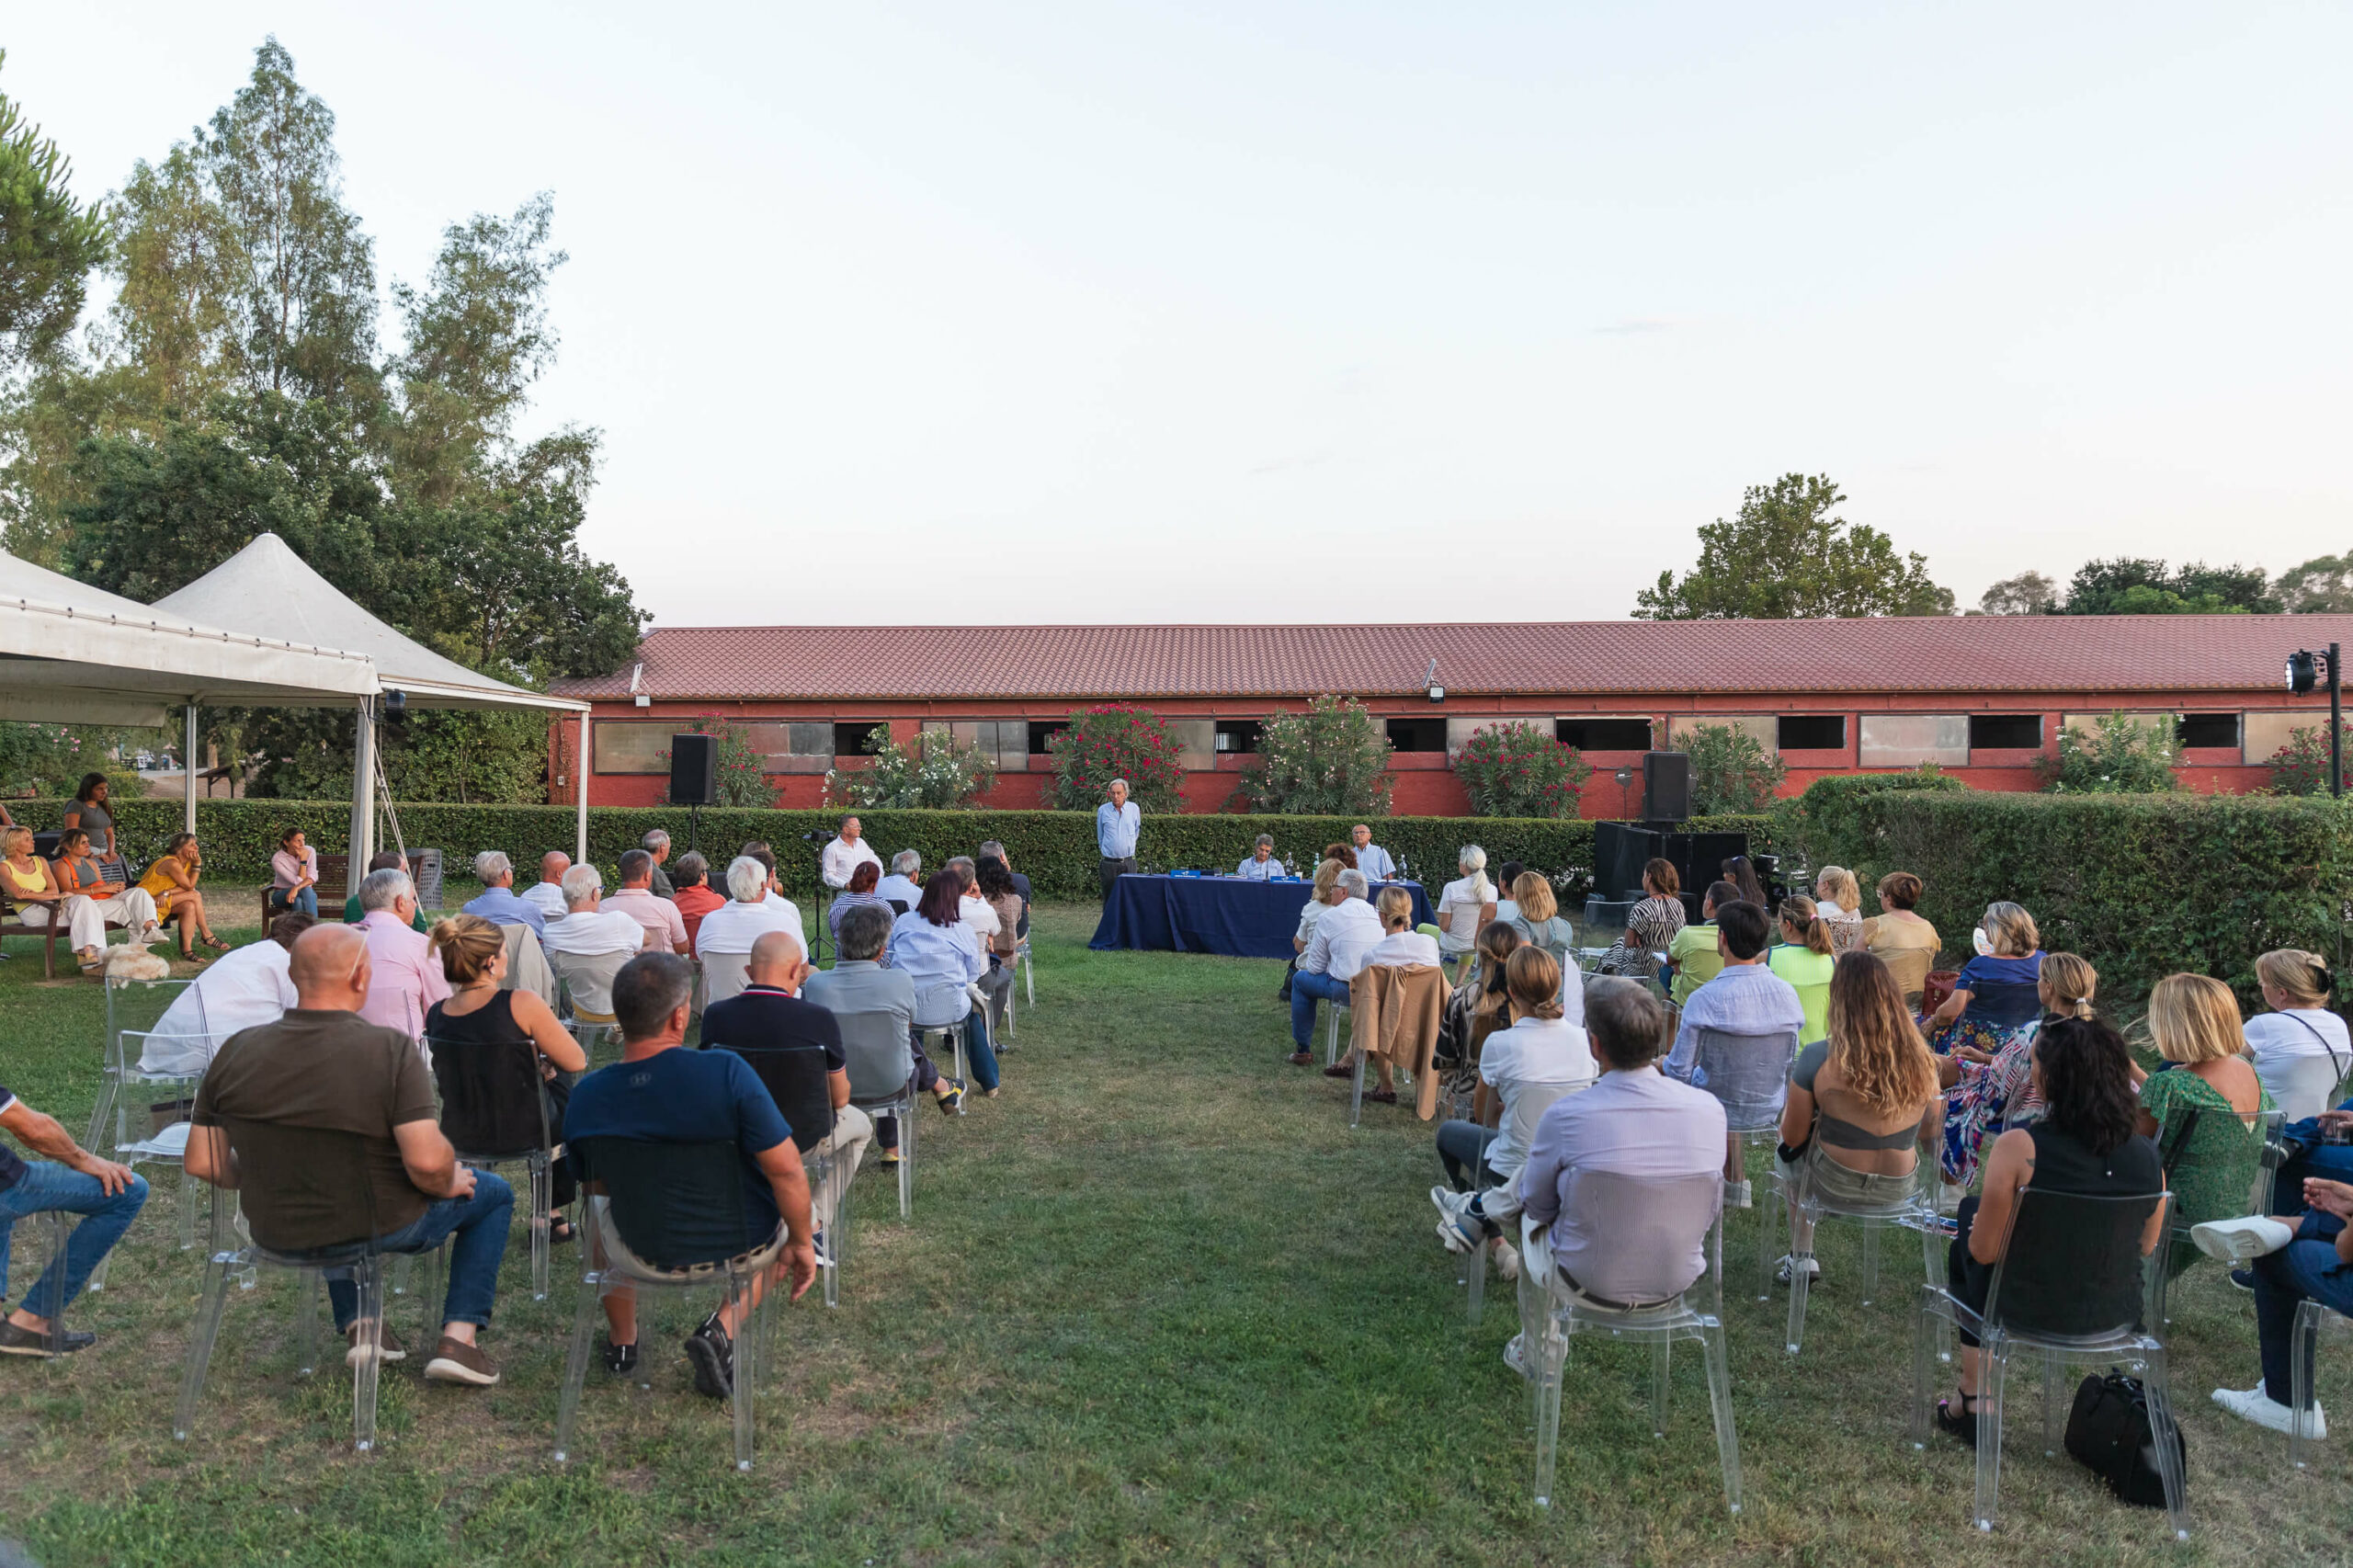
(405, 978)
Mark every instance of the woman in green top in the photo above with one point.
(383, 860)
(1804, 958)
(2195, 1022)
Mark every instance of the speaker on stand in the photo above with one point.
(694, 779)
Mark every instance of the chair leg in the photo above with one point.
(370, 1278)
(1029, 979)
(575, 1365)
(1356, 1092)
(1800, 1283)
(308, 1283)
(1474, 1275)
(747, 1359)
(1870, 1260)
(98, 1142)
(542, 1223)
(1662, 1350)
(837, 1238)
(1550, 1351)
(1924, 1360)
(2156, 1386)
(200, 1345)
(1711, 1346)
(1993, 1371)
(2304, 1350)
(2052, 1366)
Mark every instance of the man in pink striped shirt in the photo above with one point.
(405, 978)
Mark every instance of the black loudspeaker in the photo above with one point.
(694, 770)
(1666, 786)
(1705, 854)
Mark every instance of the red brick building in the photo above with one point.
(1982, 696)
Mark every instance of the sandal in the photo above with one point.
(215, 943)
(1963, 1426)
(560, 1232)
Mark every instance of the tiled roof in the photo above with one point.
(1960, 653)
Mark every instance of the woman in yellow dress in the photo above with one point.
(171, 881)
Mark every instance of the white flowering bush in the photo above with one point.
(2122, 755)
(934, 772)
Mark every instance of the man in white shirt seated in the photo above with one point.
(904, 884)
(1262, 866)
(547, 893)
(843, 853)
(1634, 1122)
(587, 928)
(243, 987)
(1371, 858)
(734, 925)
(666, 928)
(970, 907)
(1347, 930)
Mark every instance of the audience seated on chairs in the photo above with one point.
(1260, 865)
(1634, 1122)
(588, 929)
(973, 910)
(1900, 938)
(1838, 899)
(1802, 956)
(2084, 1144)
(91, 905)
(1862, 1102)
(547, 893)
(1344, 932)
(171, 881)
(666, 928)
(1541, 923)
(1466, 905)
(767, 1021)
(1396, 1019)
(858, 983)
(1507, 878)
(1475, 1011)
(1400, 943)
(904, 884)
(2206, 1112)
(659, 1094)
(2299, 1049)
(40, 898)
(2307, 1258)
(748, 915)
(62, 1177)
(243, 987)
(691, 891)
(787, 913)
(1992, 1091)
(991, 850)
(1327, 877)
(995, 885)
(656, 844)
(499, 901)
(863, 877)
(1693, 956)
(383, 860)
(1744, 998)
(1995, 991)
(1651, 925)
(325, 1067)
(1543, 1049)
(294, 875)
(476, 1033)
(1740, 872)
(931, 944)
(405, 978)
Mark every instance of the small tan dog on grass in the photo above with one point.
(127, 960)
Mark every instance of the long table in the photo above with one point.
(1216, 914)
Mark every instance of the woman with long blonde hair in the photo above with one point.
(1860, 1103)
(2205, 1113)
(1992, 1090)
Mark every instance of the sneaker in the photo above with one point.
(889, 1156)
(455, 1361)
(953, 1100)
(2253, 1404)
(1813, 1271)
(16, 1341)
(621, 1359)
(1513, 1356)
(388, 1345)
(1507, 1259)
(2244, 1239)
(1736, 1195)
(712, 1355)
(2244, 1278)
(1461, 1229)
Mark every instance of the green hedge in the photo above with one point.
(1825, 817)
(1054, 849)
(2142, 885)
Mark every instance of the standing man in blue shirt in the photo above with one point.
(1116, 823)
(1371, 858)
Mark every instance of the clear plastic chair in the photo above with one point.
(2304, 1354)
(2073, 1285)
(723, 975)
(1331, 1037)
(134, 1009)
(585, 985)
(1750, 1074)
(1916, 1210)
(1528, 1106)
(797, 1079)
(647, 1188)
(1643, 1221)
(882, 1082)
(479, 1086)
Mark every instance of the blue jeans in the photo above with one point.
(979, 1055)
(47, 1188)
(2305, 1267)
(307, 901)
(1305, 989)
(476, 1230)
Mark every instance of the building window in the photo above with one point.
(1417, 734)
(1043, 731)
(2006, 732)
(792, 748)
(1813, 732)
(1604, 734)
(2208, 730)
(1238, 735)
(854, 738)
(625, 745)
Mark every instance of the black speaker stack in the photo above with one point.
(694, 770)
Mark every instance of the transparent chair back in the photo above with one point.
(158, 1042)
(495, 1112)
(723, 975)
(882, 1065)
(1750, 1073)
(1914, 1210)
(1528, 1109)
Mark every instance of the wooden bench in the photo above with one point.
(335, 875)
(13, 924)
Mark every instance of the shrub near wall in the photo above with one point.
(1054, 849)
(2142, 885)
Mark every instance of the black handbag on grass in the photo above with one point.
(2109, 1432)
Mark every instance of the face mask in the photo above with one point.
(1985, 943)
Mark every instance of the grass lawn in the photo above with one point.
(1157, 1304)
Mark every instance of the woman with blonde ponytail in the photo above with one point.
(1804, 958)
(1992, 1090)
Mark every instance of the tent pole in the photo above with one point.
(580, 765)
(363, 796)
(187, 771)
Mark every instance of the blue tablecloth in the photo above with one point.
(1216, 914)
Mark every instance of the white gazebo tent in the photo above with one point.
(71, 654)
(267, 586)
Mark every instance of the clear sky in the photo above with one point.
(1250, 310)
